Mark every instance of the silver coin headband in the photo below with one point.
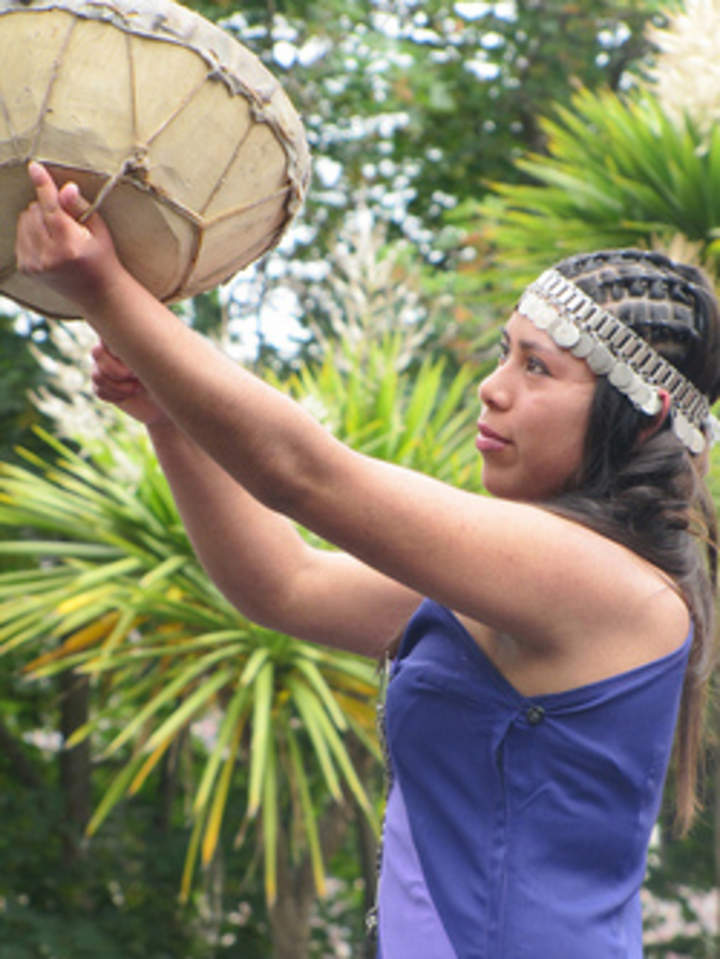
(610, 348)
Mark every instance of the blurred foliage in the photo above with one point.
(19, 374)
(618, 172)
(104, 904)
(471, 79)
(120, 596)
(411, 110)
(108, 587)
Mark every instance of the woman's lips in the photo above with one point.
(488, 441)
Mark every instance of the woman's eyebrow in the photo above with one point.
(531, 346)
(536, 346)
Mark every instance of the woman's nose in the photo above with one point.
(494, 389)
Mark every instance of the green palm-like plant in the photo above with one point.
(618, 172)
(111, 589)
(118, 594)
(415, 419)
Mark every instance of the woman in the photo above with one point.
(536, 689)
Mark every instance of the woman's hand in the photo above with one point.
(116, 383)
(75, 259)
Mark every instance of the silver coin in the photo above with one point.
(697, 441)
(639, 392)
(583, 347)
(543, 315)
(565, 334)
(653, 404)
(681, 428)
(621, 376)
(600, 360)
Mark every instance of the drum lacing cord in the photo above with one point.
(106, 188)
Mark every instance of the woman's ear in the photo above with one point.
(657, 421)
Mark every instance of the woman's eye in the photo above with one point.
(534, 365)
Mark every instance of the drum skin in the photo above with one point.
(177, 134)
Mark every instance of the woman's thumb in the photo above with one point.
(72, 201)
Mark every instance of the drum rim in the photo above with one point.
(227, 58)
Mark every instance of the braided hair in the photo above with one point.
(647, 493)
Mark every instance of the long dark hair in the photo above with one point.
(650, 495)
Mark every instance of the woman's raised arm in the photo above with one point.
(511, 566)
(256, 556)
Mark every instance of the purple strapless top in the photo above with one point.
(517, 827)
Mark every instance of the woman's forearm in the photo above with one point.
(266, 569)
(267, 443)
(249, 551)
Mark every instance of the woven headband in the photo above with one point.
(610, 348)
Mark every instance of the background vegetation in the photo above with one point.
(177, 782)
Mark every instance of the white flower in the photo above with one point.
(686, 76)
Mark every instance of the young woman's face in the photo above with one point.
(536, 406)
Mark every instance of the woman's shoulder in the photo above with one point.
(619, 614)
(635, 614)
(665, 615)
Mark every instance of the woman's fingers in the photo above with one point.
(108, 389)
(31, 238)
(72, 201)
(58, 209)
(115, 383)
(115, 391)
(111, 379)
(46, 192)
(52, 243)
(110, 364)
